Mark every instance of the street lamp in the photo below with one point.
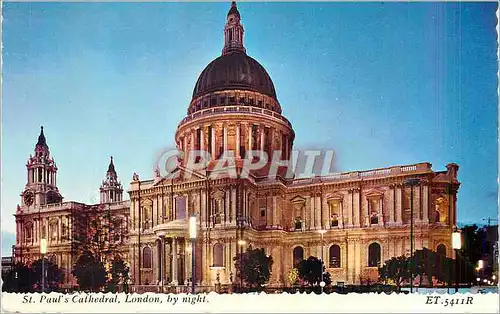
(43, 251)
(456, 243)
(411, 182)
(322, 283)
(192, 235)
(241, 243)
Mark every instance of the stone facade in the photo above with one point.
(366, 215)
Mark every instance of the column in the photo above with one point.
(350, 212)
(425, 205)
(390, 206)
(184, 143)
(187, 209)
(357, 260)
(399, 195)
(35, 231)
(303, 215)
(380, 211)
(307, 212)
(417, 210)
(162, 258)
(249, 136)
(192, 140)
(365, 214)
(349, 260)
(202, 138)
(187, 260)
(232, 216)
(262, 137)
(212, 144)
(275, 211)
(203, 209)
(225, 137)
(237, 140)
(59, 229)
(70, 231)
(356, 208)
(174, 261)
(326, 214)
(340, 216)
(312, 211)
(317, 210)
(204, 264)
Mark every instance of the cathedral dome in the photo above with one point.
(235, 70)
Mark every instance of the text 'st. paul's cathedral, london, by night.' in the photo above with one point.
(354, 221)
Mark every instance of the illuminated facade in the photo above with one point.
(366, 214)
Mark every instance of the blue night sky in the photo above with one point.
(381, 83)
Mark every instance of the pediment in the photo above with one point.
(298, 199)
(374, 193)
(180, 174)
(334, 197)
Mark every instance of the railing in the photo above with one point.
(357, 175)
(234, 109)
(61, 205)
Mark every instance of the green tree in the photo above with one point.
(119, 274)
(89, 272)
(254, 267)
(18, 279)
(54, 276)
(397, 270)
(310, 271)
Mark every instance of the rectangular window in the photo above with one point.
(198, 139)
(262, 212)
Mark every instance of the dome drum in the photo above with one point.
(235, 132)
(234, 98)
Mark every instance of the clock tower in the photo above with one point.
(41, 187)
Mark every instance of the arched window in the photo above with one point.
(218, 255)
(441, 250)
(334, 256)
(147, 257)
(374, 255)
(298, 255)
(440, 256)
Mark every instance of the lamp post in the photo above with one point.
(192, 235)
(241, 243)
(322, 283)
(480, 265)
(43, 251)
(456, 243)
(411, 182)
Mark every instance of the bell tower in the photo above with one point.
(41, 187)
(233, 32)
(111, 189)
